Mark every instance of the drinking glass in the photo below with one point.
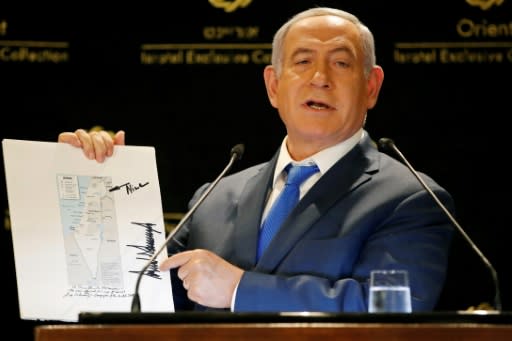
(389, 292)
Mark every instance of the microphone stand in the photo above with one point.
(387, 143)
(236, 154)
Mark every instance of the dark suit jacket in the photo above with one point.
(367, 212)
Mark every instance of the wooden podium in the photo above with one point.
(269, 332)
(269, 327)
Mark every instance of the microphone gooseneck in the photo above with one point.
(236, 154)
(388, 144)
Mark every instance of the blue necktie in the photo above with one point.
(284, 204)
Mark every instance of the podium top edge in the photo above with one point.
(293, 317)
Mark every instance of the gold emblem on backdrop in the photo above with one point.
(3, 27)
(233, 5)
(485, 4)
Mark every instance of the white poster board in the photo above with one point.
(82, 230)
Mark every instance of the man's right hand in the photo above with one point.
(95, 145)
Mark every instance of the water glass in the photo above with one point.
(389, 292)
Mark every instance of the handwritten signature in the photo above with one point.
(129, 187)
(148, 249)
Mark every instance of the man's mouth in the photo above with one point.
(318, 105)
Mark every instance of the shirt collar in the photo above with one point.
(324, 159)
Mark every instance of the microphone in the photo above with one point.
(236, 154)
(389, 145)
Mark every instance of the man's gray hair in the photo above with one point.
(365, 34)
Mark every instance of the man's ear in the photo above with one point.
(374, 84)
(271, 81)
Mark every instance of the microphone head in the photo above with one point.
(238, 150)
(386, 143)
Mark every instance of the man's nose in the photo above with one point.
(321, 77)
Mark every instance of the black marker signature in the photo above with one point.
(148, 250)
(129, 187)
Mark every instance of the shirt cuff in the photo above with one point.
(233, 298)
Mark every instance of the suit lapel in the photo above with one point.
(346, 175)
(253, 198)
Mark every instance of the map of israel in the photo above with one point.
(90, 231)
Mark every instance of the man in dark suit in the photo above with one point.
(362, 210)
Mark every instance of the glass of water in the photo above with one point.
(389, 292)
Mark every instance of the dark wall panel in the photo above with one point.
(444, 101)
